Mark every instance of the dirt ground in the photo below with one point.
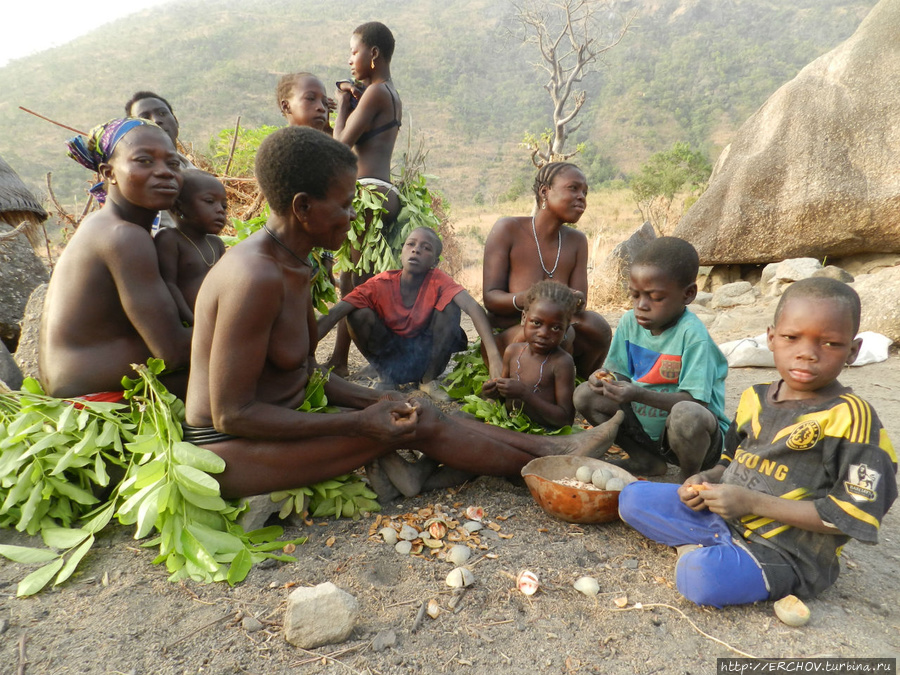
(119, 614)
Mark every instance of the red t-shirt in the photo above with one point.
(381, 293)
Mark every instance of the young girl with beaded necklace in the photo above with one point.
(538, 374)
(188, 250)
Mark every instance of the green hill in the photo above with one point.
(687, 71)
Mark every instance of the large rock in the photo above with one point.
(608, 282)
(20, 272)
(10, 375)
(816, 170)
(321, 615)
(880, 297)
(30, 340)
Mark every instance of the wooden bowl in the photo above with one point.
(572, 504)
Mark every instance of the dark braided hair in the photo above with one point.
(286, 84)
(553, 291)
(547, 174)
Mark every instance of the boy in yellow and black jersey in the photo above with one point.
(807, 465)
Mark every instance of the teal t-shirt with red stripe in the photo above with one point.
(681, 358)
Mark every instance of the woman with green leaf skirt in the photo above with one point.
(369, 115)
(255, 336)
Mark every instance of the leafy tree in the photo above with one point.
(663, 176)
(571, 36)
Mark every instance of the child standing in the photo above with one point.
(807, 465)
(538, 375)
(406, 321)
(670, 374)
(187, 251)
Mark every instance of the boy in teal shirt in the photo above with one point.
(669, 374)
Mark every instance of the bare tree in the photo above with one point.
(572, 36)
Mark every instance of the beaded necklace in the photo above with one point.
(549, 273)
(202, 257)
(540, 372)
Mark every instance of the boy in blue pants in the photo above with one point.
(807, 465)
(670, 375)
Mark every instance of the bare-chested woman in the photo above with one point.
(520, 251)
(368, 120)
(107, 305)
(255, 333)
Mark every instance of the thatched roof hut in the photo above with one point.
(18, 205)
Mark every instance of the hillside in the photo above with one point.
(688, 70)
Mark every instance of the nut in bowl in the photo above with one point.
(546, 478)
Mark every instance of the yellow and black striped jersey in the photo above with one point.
(834, 453)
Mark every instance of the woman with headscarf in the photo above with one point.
(107, 306)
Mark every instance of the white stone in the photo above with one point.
(321, 615)
(795, 269)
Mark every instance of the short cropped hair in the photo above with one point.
(438, 244)
(376, 34)
(547, 174)
(823, 288)
(286, 84)
(299, 159)
(553, 291)
(141, 95)
(674, 257)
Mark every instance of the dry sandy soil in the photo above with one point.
(119, 614)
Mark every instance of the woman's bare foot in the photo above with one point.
(408, 477)
(594, 442)
(435, 391)
(380, 483)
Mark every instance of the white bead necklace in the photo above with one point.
(549, 273)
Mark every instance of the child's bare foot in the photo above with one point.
(435, 391)
(446, 477)
(380, 483)
(640, 463)
(594, 442)
(408, 477)
(338, 368)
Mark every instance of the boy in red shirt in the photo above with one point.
(406, 321)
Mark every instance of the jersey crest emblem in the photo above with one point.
(805, 435)
(861, 483)
(670, 369)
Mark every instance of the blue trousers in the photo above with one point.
(720, 572)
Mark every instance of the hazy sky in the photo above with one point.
(35, 25)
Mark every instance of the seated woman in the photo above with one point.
(255, 333)
(520, 251)
(107, 305)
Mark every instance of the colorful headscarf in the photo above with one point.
(95, 150)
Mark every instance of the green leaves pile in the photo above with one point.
(494, 412)
(346, 496)
(321, 285)
(469, 374)
(55, 457)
